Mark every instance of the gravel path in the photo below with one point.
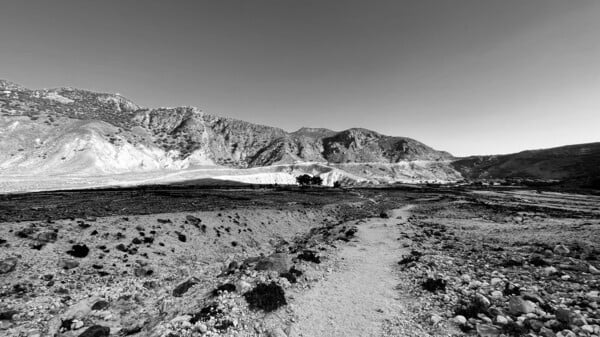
(360, 299)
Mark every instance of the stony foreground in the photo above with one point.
(488, 263)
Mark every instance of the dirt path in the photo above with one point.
(360, 299)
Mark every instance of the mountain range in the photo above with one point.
(81, 138)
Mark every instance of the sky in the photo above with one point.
(466, 76)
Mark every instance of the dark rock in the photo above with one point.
(227, 287)
(289, 276)
(181, 237)
(310, 256)
(164, 221)
(136, 241)
(25, 232)
(7, 315)
(79, 251)
(121, 247)
(206, 313)
(184, 287)
(96, 331)
(223, 325)
(434, 285)
(100, 305)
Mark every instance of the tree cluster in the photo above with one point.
(307, 180)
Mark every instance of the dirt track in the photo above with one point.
(359, 299)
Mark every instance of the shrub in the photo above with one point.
(266, 297)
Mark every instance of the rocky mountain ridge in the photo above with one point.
(50, 124)
(80, 133)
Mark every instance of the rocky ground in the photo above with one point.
(358, 263)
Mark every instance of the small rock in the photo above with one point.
(545, 332)
(277, 332)
(496, 294)
(517, 305)
(49, 236)
(184, 287)
(100, 305)
(243, 286)
(435, 319)
(7, 265)
(501, 320)
(460, 320)
(488, 330)
(566, 333)
(496, 280)
(561, 249)
(68, 263)
(587, 328)
(76, 324)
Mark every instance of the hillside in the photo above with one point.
(577, 163)
(54, 132)
(70, 137)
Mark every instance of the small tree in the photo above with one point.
(337, 184)
(316, 180)
(304, 180)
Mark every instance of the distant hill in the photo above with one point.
(576, 163)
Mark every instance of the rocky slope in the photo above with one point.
(84, 133)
